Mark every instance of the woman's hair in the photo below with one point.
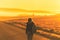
(29, 19)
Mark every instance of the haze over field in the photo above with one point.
(14, 15)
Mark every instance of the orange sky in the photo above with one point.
(13, 5)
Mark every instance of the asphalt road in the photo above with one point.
(10, 32)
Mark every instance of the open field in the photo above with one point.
(14, 28)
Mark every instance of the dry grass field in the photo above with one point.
(13, 28)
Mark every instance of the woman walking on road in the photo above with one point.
(30, 29)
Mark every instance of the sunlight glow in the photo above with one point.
(24, 14)
(44, 14)
(48, 5)
(8, 14)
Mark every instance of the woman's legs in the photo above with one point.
(29, 36)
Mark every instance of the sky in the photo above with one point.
(46, 5)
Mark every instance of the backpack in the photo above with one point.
(34, 29)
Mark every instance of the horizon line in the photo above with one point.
(22, 10)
